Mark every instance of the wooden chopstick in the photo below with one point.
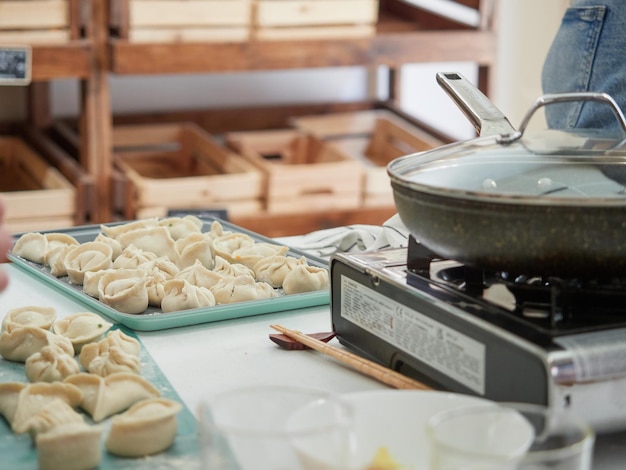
(372, 369)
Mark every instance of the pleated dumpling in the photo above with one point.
(51, 364)
(305, 279)
(113, 361)
(19, 342)
(89, 256)
(59, 244)
(31, 315)
(31, 246)
(156, 240)
(273, 269)
(194, 247)
(124, 290)
(115, 245)
(115, 231)
(231, 269)
(241, 288)
(226, 244)
(199, 275)
(181, 227)
(115, 338)
(82, 328)
(56, 412)
(133, 257)
(9, 397)
(146, 428)
(182, 295)
(250, 255)
(106, 396)
(70, 446)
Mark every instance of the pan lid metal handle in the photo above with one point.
(564, 98)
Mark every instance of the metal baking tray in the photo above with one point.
(153, 318)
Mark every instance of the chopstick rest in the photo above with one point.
(381, 373)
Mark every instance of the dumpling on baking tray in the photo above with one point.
(194, 247)
(199, 275)
(69, 446)
(182, 295)
(273, 269)
(50, 364)
(114, 360)
(216, 230)
(250, 255)
(181, 227)
(55, 412)
(146, 428)
(82, 328)
(59, 244)
(9, 396)
(106, 396)
(115, 338)
(115, 245)
(156, 240)
(89, 256)
(17, 343)
(133, 257)
(31, 246)
(231, 269)
(31, 315)
(124, 290)
(114, 231)
(241, 288)
(225, 245)
(305, 278)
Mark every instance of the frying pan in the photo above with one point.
(543, 203)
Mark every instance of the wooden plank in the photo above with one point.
(171, 13)
(273, 13)
(189, 34)
(34, 14)
(316, 32)
(71, 60)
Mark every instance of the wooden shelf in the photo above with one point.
(70, 60)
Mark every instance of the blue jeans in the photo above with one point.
(587, 54)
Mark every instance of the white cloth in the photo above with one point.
(352, 238)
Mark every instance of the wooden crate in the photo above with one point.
(36, 196)
(180, 166)
(314, 19)
(40, 21)
(303, 173)
(182, 20)
(373, 138)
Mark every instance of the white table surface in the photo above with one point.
(203, 360)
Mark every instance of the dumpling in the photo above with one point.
(9, 397)
(35, 397)
(89, 256)
(194, 247)
(241, 288)
(305, 279)
(156, 240)
(106, 396)
(115, 245)
(181, 227)
(115, 338)
(146, 428)
(250, 255)
(231, 269)
(217, 230)
(31, 246)
(124, 290)
(20, 342)
(133, 257)
(273, 269)
(91, 280)
(82, 328)
(70, 446)
(31, 315)
(54, 413)
(181, 295)
(114, 231)
(199, 275)
(50, 364)
(59, 244)
(225, 245)
(114, 360)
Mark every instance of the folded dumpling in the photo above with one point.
(56, 412)
(182, 295)
(133, 257)
(194, 247)
(305, 279)
(106, 396)
(181, 227)
(146, 428)
(70, 446)
(82, 328)
(115, 245)
(115, 231)
(89, 256)
(226, 244)
(59, 244)
(124, 290)
(9, 396)
(231, 269)
(115, 338)
(250, 255)
(273, 269)
(31, 315)
(50, 364)
(19, 342)
(216, 230)
(199, 275)
(241, 288)
(31, 246)
(156, 240)
(114, 360)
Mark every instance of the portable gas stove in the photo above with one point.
(556, 342)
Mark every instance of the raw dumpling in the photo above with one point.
(250, 255)
(89, 256)
(70, 446)
(9, 397)
(115, 245)
(231, 269)
(273, 269)
(199, 275)
(42, 317)
(241, 288)
(181, 227)
(146, 428)
(225, 245)
(50, 364)
(156, 240)
(35, 397)
(114, 231)
(115, 338)
(31, 246)
(106, 396)
(124, 290)
(82, 328)
(181, 295)
(56, 412)
(195, 247)
(305, 279)
(114, 360)
(59, 244)
(19, 342)
(92, 280)
(133, 257)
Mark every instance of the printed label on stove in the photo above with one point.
(456, 355)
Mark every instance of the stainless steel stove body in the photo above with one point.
(481, 341)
